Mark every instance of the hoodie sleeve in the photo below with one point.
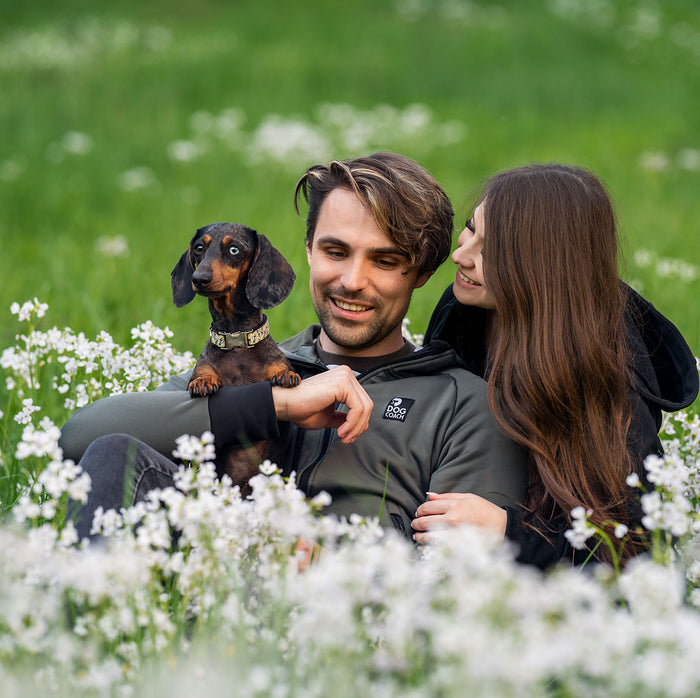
(539, 544)
(474, 454)
(237, 414)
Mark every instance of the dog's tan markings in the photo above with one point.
(279, 373)
(229, 276)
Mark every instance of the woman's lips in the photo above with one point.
(466, 280)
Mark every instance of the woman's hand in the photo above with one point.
(454, 509)
(312, 404)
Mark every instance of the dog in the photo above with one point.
(241, 273)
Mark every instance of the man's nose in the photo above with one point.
(354, 275)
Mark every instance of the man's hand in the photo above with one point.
(311, 404)
(454, 509)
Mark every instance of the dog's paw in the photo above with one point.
(286, 379)
(203, 386)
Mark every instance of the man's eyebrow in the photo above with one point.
(329, 240)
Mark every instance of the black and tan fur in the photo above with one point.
(241, 274)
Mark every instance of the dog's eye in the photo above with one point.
(198, 248)
(233, 250)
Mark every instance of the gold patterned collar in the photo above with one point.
(237, 340)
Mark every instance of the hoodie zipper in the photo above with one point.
(316, 368)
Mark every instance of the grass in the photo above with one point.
(528, 82)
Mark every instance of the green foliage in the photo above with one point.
(612, 85)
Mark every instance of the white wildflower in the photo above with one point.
(29, 309)
(28, 409)
(12, 169)
(651, 588)
(621, 531)
(193, 449)
(114, 246)
(580, 530)
(76, 143)
(654, 161)
(137, 178)
(689, 159)
(185, 151)
(267, 467)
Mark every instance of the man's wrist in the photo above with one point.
(280, 399)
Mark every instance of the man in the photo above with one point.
(377, 228)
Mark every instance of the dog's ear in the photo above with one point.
(181, 279)
(270, 277)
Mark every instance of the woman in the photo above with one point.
(579, 366)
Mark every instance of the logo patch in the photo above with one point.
(398, 408)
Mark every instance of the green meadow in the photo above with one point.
(127, 125)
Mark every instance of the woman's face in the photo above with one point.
(469, 287)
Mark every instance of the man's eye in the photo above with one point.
(387, 263)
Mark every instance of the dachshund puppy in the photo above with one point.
(240, 273)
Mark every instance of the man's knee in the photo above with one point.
(110, 447)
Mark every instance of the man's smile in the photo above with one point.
(350, 306)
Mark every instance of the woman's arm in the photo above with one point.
(538, 543)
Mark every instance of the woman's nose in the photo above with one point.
(462, 255)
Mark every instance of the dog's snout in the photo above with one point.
(201, 279)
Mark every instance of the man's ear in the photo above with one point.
(422, 279)
(308, 252)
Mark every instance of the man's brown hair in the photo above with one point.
(405, 200)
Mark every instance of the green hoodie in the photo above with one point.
(430, 431)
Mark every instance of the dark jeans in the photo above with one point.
(123, 470)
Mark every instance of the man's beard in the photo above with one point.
(349, 334)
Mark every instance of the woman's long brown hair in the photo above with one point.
(557, 349)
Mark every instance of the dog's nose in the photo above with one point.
(201, 279)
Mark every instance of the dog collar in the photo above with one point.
(237, 340)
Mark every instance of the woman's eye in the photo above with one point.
(233, 250)
(470, 225)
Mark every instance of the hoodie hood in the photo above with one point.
(664, 370)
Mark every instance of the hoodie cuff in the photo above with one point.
(243, 414)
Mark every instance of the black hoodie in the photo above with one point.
(664, 378)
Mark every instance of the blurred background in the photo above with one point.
(127, 125)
